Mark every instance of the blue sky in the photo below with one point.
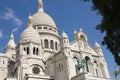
(69, 15)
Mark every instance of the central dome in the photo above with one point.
(41, 18)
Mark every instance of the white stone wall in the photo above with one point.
(3, 66)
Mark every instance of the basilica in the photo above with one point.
(42, 54)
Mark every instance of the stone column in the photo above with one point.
(31, 49)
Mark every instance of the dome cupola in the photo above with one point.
(30, 34)
(11, 44)
(42, 18)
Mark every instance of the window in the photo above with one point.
(62, 67)
(59, 68)
(45, 27)
(51, 44)
(36, 70)
(46, 43)
(87, 63)
(56, 46)
(96, 68)
(37, 51)
(75, 60)
(50, 28)
(34, 51)
(27, 50)
(24, 49)
(82, 38)
(3, 62)
(39, 27)
(96, 71)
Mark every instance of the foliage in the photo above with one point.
(110, 24)
(116, 72)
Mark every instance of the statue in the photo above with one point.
(80, 65)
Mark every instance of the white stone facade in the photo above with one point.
(42, 54)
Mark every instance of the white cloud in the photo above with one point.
(15, 29)
(1, 34)
(9, 15)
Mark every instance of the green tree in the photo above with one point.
(116, 72)
(110, 24)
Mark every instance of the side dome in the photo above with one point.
(11, 44)
(41, 18)
(30, 34)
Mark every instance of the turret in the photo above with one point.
(10, 47)
(65, 44)
(98, 49)
(65, 40)
(30, 41)
(81, 38)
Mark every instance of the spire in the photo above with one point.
(12, 36)
(81, 30)
(97, 45)
(11, 43)
(30, 17)
(40, 5)
(64, 35)
(29, 21)
(75, 31)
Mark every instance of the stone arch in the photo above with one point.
(88, 61)
(96, 68)
(82, 37)
(75, 58)
(28, 51)
(51, 44)
(46, 43)
(37, 51)
(102, 70)
(56, 47)
(33, 50)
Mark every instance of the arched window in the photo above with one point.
(75, 60)
(61, 67)
(51, 44)
(24, 49)
(82, 38)
(87, 63)
(57, 69)
(37, 51)
(96, 68)
(56, 46)
(46, 43)
(3, 62)
(34, 51)
(27, 51)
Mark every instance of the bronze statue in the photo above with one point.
(80, 64)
